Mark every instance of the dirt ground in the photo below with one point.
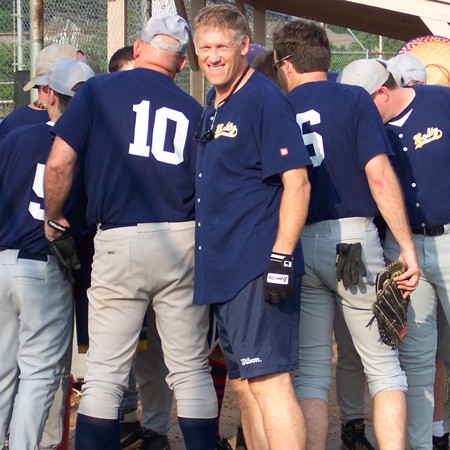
(230, 420)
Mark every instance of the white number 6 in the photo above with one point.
(312, 138)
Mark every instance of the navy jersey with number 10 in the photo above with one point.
(136, 131)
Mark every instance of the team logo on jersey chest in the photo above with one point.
(228, 130)
(432, 134)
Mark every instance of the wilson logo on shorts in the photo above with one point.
(284, 151)
(246, 361)
(277, 278)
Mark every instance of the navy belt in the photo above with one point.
(110, 226)
(429, 231)
(25, 255)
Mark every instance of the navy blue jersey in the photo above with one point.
(135, 129)
(421, 138)
(23, 154)
(239, 187)
(343, 131)
(22, 115)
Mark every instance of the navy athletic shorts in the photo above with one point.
(258, 338)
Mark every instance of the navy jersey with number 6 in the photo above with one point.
(343, 131)
(135, 129)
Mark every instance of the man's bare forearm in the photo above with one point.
(293, 210)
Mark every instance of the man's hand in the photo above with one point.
(278, 278)
(407, 282)
(63, 248)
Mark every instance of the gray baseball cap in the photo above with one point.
(66, 74)
(171, 25)
(410, 68)
(370, 74)
(46, 58)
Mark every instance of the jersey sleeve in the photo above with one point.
(371, 137)
(281, 142)
(74, 125)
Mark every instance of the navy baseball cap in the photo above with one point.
(64, 76)
(254, 50)
(171, 25)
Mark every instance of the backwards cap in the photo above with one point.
(66, 74)
(46, 58)
(170, 25)
(410, 68)
(370, 74)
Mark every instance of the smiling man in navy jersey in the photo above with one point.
(135, 129)
(252, 196)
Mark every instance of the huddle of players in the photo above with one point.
(351, 181)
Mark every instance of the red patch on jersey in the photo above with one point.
(284, 151)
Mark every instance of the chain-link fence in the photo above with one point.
(83, 23)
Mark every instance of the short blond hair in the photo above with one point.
(222, 16)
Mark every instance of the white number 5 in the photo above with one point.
(312, 138)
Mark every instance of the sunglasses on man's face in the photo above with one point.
(276, 64)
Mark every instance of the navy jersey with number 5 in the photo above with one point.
(135, 129)
(343, 131)
(23, 154)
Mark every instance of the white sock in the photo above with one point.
(438, 428)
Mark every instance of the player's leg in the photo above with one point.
(9, 341)
(350, 388)
(183, 327)
(418, 350)
(440, 437)
(117, 305)
(312, 381)
(46, 326)
(251, 418)
(386, 380)
(284, 423)
(54, 426)
(156, 397)
(131, 433)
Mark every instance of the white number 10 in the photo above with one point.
(140, 148)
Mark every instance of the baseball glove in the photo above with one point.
(390, 308)
(63, 247)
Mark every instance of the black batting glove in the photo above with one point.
(63, 248)
(349, 264)
(278, 278)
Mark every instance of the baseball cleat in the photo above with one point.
(353, 436)
(131, 435)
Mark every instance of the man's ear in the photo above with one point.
(244, 45)
(182, 64)
(137, 46)
(52, 97)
